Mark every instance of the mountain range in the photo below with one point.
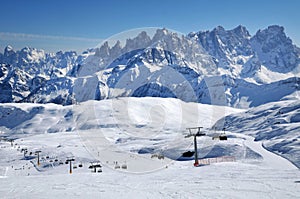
(217, 67)
(221, 67)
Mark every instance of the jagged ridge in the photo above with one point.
(227, 67)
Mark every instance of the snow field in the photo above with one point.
(130, 131)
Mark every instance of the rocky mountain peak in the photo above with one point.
(275, 50)
(273, 34)
(8, 51)
(241, 31)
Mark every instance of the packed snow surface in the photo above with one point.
(132, 133)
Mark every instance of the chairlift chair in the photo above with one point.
(223, 136)
(188, 154)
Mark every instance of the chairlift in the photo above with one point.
(188, 154)
(220, 136)
(94, 166)
(223, 136)
(198, 134)
(70, 160)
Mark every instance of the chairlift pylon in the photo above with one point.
(198, 134)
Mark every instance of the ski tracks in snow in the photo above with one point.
(270, 159)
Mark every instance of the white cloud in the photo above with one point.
(26, 37)
(49, 43)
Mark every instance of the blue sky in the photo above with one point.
(77, 24)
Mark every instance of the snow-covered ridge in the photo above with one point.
(201, 67)
(276, 124)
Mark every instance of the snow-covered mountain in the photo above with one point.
(218, 67)
(31, 75)
(244, 55)
(224, 67)
(260, 73)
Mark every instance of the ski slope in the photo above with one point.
(276, 124)
(269, 159)
(129, 131)
(180, 180)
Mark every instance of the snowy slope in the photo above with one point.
(124, 117)
(130, 131)
(275, 124)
